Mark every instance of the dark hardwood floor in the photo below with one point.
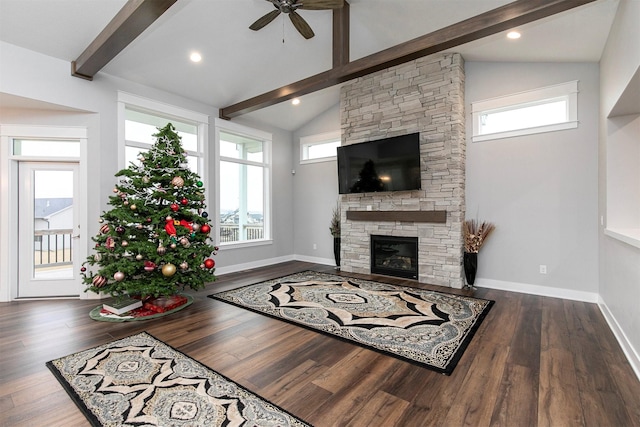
(535, 361)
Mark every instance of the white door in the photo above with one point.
(48, 230)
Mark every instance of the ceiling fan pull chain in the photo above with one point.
(282, 29)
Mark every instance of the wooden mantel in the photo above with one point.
(439, 217)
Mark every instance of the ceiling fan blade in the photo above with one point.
(261, 22)
(301, 25)
(320, 4)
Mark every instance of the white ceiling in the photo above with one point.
(239, 63)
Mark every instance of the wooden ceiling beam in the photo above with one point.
(134, 17)
(341, 35)
(511, 15)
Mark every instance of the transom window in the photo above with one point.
(46, 148)
(541, 110)
(319, 148)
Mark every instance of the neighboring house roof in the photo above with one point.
(44, 208)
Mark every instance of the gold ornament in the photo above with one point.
(168, 270)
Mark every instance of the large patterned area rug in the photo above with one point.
(426, 327)
(141, 381)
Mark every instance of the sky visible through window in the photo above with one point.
(524, 117)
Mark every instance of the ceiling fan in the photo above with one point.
(289, 7)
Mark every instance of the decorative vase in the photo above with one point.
(470, 262)
(336, 250)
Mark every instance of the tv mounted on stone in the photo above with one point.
(389, 164)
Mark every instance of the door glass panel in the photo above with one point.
(53, 224)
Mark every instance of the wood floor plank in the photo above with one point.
(534, 361)
(597, 388)
(558, 397)
(344, 403)
(382, 409)
(476, 401)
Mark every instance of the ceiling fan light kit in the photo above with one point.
(289, 7)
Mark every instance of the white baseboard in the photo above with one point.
(546, 291)
(253, 264)
(627, 348)
(315, 260)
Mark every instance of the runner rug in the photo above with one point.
(141, 381)
(426, 327)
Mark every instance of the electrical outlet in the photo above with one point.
(315, 246)
(543, 269)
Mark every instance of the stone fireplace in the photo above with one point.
(425, 96)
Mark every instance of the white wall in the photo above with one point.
(541, 191)
(619, 262)
(315, 194)
(39, 77)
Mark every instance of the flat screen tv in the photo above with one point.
(390, 164)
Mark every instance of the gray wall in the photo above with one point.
(541, 191)
(315, 194)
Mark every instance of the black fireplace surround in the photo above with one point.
(394, 256)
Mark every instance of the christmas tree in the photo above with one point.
(154, 241)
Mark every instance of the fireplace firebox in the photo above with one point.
(394, 256)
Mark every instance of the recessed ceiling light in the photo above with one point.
(513, 35)
(295, 101)
(195, 57)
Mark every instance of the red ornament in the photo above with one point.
(205, 229)
(174, 207)
(184, 201)
(209, 263)
(149, 266)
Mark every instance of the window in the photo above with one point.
(319, 148)
(141, 119)
(244, 182)
(541, 110)
(46, 148)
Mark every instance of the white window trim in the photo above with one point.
(317, 139)
(266, 137)
(568, 91)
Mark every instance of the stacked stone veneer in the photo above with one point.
(426, 96)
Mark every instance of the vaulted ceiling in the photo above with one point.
(239, 63)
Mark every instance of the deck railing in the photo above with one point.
(231, 232)
(53, 248)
